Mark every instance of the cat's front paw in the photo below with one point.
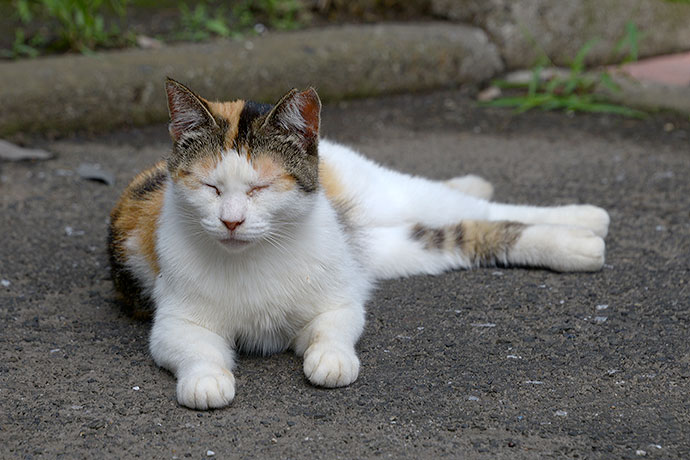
(327, 365)
(209, 387)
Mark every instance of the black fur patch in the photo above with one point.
(152, 183)
(130, 295)
(250, 112)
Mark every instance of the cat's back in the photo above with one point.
(132, 238)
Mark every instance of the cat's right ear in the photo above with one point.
(189, 114)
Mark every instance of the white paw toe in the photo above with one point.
(329, 366)
(206, 389)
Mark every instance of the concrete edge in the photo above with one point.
(111, 89)
(649, 96)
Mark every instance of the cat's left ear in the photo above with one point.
(298, 113)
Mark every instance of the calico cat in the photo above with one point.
(256, 235)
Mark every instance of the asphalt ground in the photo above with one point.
(490, 363)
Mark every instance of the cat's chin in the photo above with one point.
(234, 244)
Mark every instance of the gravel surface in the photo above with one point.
(491, 363)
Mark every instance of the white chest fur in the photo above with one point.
(261, 297)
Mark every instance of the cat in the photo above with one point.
(256, 235)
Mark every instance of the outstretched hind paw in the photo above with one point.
(560, 248)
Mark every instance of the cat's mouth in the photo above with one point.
(234, 243)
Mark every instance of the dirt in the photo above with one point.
(489, 363)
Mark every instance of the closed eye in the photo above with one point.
(256, 188)
(214, 188)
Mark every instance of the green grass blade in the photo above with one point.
(578, 63)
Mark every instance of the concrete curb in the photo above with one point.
(649, 95)
(111, 89)
(524, 29)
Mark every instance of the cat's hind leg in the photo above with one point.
(414, 249)
(577, 215)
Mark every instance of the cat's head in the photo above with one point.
(246, 172)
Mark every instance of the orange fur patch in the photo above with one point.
(148, 227)
(230, 112)
(330, 181)
(273, 173)
(138, 215)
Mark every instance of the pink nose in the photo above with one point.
(232, 225)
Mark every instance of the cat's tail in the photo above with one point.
(418, 249)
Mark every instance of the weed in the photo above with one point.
(21, 47)
(81, 25)
(279, 14)
(630, 40)
(207, 20)
(200, 23)
(574, 91)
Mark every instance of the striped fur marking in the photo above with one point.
(432, 238)
(482, 242)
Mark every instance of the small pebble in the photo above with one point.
(147, 42)
(561, 413)
(489, 94)
(69, 231)
(136, 388)
(600, 319)
(94, 172)
(54, 350)
(602, 307)
(210, 453)
(483, 324)
(472, 398)
(641, 452)
(12, 152)
(5, 283)
(534, 382)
